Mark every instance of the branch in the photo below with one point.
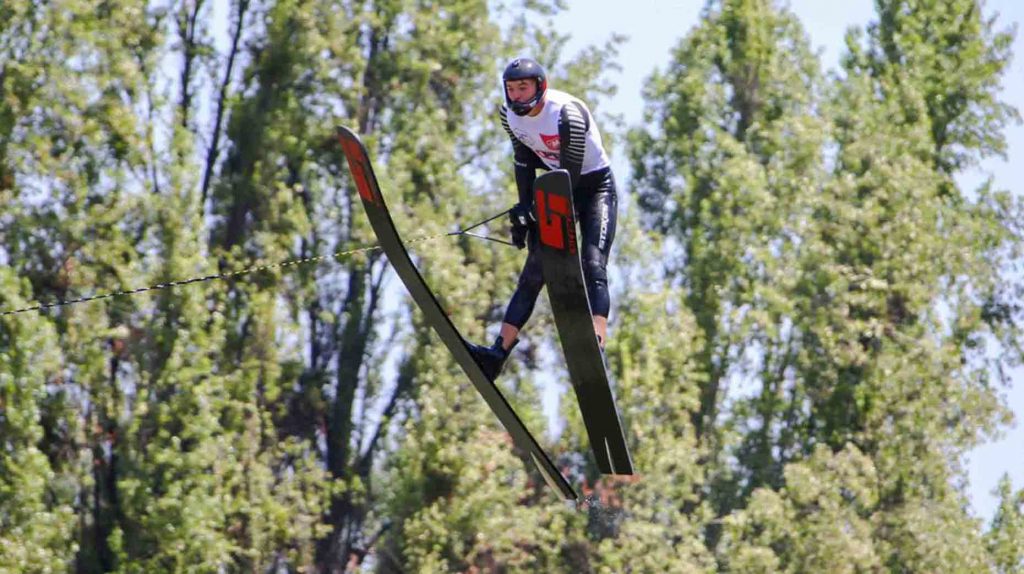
(357, 555)
(366, 459)
(214, 151)
(187, 31)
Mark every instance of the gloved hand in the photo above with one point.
(522, 219)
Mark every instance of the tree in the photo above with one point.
(36, 514)
(842, 276)
(726, 178)
(1004, 538)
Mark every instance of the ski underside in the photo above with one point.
(567, 291)
(383, 226)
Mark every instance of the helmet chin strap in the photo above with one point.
(523, 108)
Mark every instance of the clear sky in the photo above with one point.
(654, 27)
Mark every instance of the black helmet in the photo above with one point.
(522, 69)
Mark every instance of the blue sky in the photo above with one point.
(654, 27)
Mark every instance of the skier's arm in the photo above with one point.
(525, 176)
(573, 125)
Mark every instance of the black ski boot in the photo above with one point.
(491, 359)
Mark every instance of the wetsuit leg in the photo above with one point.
(531, 280)
(597, 212)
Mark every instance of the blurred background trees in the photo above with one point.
(811, 324)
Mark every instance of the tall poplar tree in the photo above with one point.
(726, 173)
(864, 294)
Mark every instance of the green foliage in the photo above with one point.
(1005, 540)
(36, 518)
(835, 270)
(954, 58)
(821, 519)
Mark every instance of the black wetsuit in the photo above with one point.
(594, 197)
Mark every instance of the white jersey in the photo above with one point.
(540, 133)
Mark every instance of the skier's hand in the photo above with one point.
(522, 219)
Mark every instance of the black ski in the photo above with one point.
(384, 227)
(563, 276)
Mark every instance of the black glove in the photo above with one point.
(522, 219)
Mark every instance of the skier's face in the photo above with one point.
(521, 90)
